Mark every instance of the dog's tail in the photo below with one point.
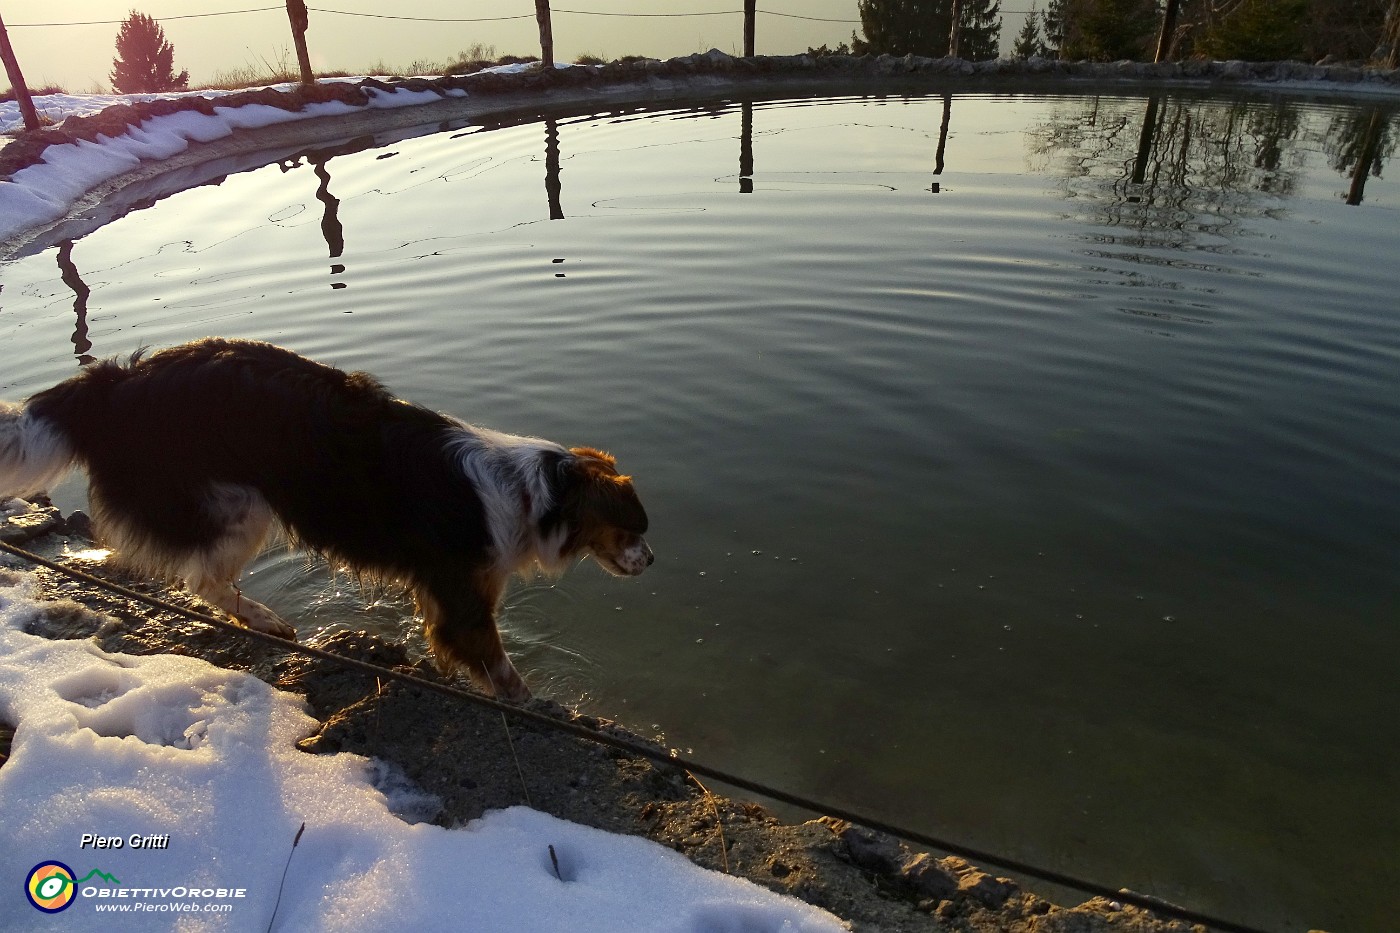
(34, 451)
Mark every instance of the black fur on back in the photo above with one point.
(349, 470)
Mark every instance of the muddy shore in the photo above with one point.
(460, 755)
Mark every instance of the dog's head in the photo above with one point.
(607, 518)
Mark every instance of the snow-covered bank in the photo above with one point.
(44, 173)
(168, 791)
(44, 191)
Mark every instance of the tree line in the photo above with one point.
(1114, 30)
(1074, 30)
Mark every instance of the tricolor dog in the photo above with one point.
(194, 454)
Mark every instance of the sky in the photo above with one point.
(191, 778)
(79, 58)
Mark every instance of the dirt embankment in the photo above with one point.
(460, 754)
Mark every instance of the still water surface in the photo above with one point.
(1023, 469)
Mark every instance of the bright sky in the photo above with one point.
(79, 58)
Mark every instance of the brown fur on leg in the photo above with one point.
(459, 620)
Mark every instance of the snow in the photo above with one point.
(170, 749)
(45, 191)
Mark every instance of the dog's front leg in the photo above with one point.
(459, 619)
(251, 613)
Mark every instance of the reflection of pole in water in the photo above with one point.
(746, 147)
(331, 228)
(1145, 143)
(553, 187)
(1370, 148)
(68, 271)
(942, 138)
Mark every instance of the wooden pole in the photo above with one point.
(938, 159)
(1391, 40)
(26, 103)
(296, 12)
(750, 14)
(553, 185)
(546, 33)
(1164, 41)
(955, 31)
(1369, 147)
(746, 147)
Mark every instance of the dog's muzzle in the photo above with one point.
(635, 558)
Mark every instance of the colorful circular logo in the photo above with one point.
(50, 887)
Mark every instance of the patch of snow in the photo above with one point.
(45, 191)
(195, 770)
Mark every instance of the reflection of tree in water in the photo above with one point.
(1357, 143)
(1173, 171)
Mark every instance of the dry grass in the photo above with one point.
(9, 93)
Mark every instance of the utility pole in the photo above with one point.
(546, 34)
(296, 12)
(26, 103)
(1164, 41)
(1390, 41)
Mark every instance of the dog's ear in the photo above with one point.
(605, 493)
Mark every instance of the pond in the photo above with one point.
(1021, 468)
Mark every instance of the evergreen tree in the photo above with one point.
(1110, 30)
(921, 27)
(1028, 41)
(1053, 23)
(981, 30)
(1259, 31)
(145, 61)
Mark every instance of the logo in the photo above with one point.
(51, 887)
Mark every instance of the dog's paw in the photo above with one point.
(259, 618)
(517, 693)
(506, 683)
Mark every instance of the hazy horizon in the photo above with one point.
(79, 57)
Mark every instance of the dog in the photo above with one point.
(195, 453)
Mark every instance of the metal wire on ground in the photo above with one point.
(671, 759)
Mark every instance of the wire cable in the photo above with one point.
(476, 19)
(118, 22)
(670, 758)
(422, 19)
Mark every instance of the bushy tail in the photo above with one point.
(34, 452)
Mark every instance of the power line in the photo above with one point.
(118, 22)
(660, 756)
(424, 19)
(477, 19)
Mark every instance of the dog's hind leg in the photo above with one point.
(212, 572)
(459, 619)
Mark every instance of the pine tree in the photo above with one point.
(921, 27)
(1028, 42)
(1053, 23)
(981, 30)
(1260, 31)
(1109, 30)
(145, 61)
